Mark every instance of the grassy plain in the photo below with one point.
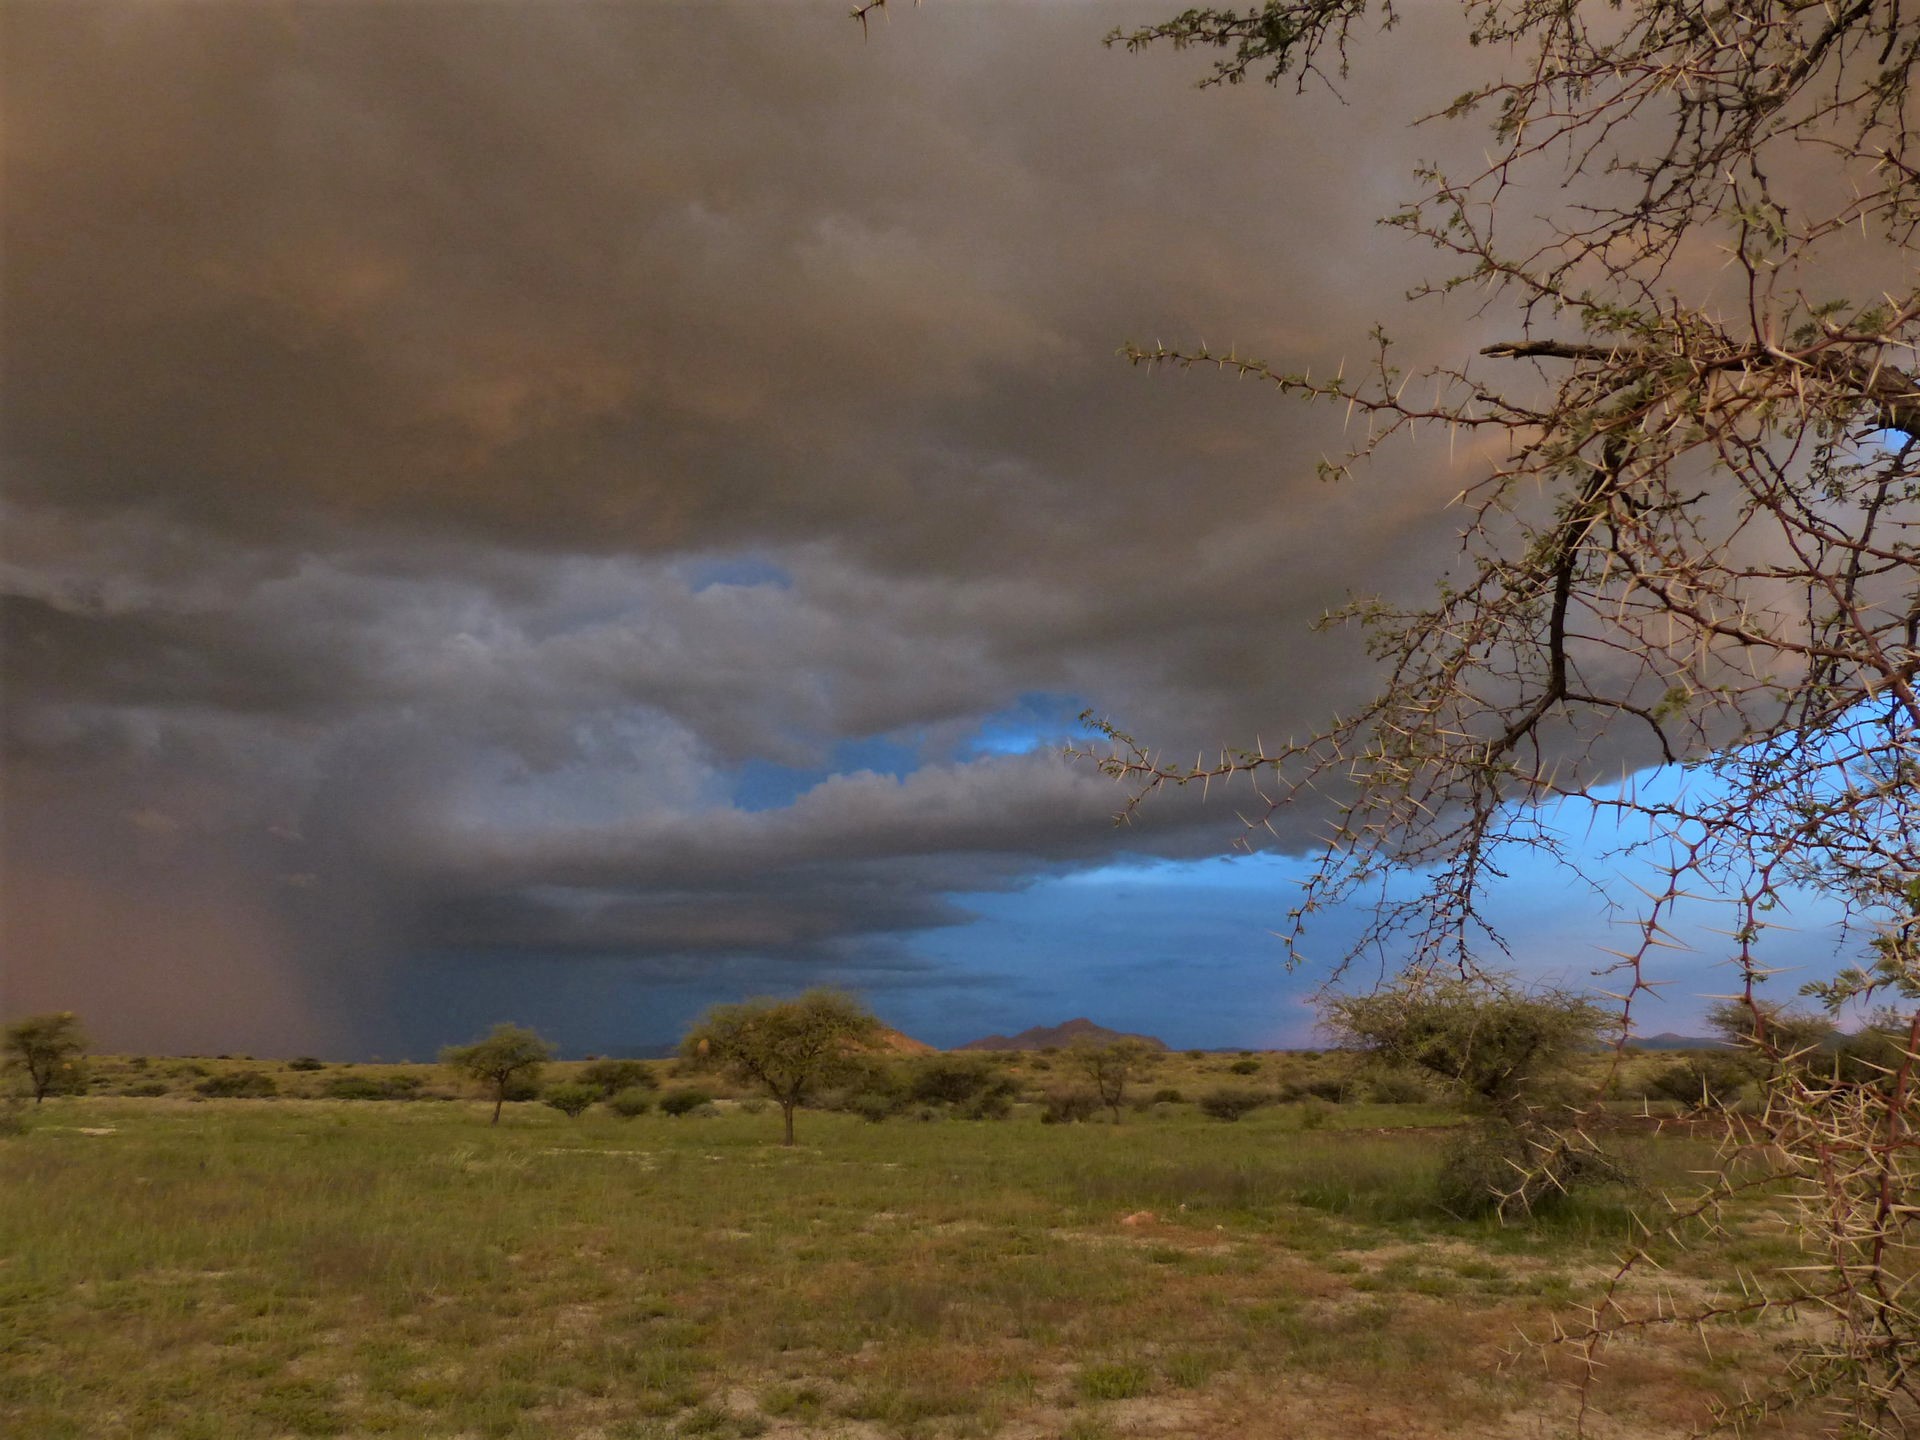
(264, 1268)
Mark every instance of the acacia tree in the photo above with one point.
(786, 1046)
(48, 1048)
(1695, 546)
(1110, 1066)
(1509, 1055)
(508, 1054)
(1698, 535)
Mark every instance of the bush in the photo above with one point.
(870, 1106)
(1700, 1080)
(1397, 1090)
(572, 1100)
(1315, 1113)
(683, 1102)
(1230, 1104)
(1066, 1107)
(996, 1104)
(239, 1085)
(1496, 1168)
(630, 1102)
(955, 1079)
(610, 1077)
(971, 1086)
(1167, 1095)
(1246, 1065)
(146, 1089)
(868, 1086)
(372, 1087)
(306, 1062)
(1870, 1057)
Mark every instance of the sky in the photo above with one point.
(574, 512)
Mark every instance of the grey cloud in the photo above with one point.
(379, 376)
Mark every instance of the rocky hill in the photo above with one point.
(1044, 1037)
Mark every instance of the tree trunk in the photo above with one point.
(499, 1099)
(786, 1110)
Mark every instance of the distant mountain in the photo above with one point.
(1667, 1040)
(1043, 1037)
(892, 1042)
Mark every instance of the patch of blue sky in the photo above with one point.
(1035, 720)
(1193, 963)
(1186, 948)
(764, 785)
(745, 570)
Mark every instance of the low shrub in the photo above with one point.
(1326, 1088)
(306, 1062)
(146, 1089)
(683, 1102)
(1230, 1104)
(869, 1106)
(372, 1087)
(1067, 1106)
(970, 1086)
(997, 1104)
(1167, 1095)
(1397, 1090)
(1496, 1168)
(239, 1085)
(867, 1086)
(610, 1077)
(631, 1102)
(1246, 1065)
(572, 1100)
(1699, 1080)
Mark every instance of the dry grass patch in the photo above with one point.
(253, 1270)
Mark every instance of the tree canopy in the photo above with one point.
(508, 1055)
(786, 1046)
(47, 1049)
(1110, 1066)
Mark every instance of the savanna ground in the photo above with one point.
(172, 1266)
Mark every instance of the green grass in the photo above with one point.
(264, 1269)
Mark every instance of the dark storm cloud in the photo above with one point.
(380, 379)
